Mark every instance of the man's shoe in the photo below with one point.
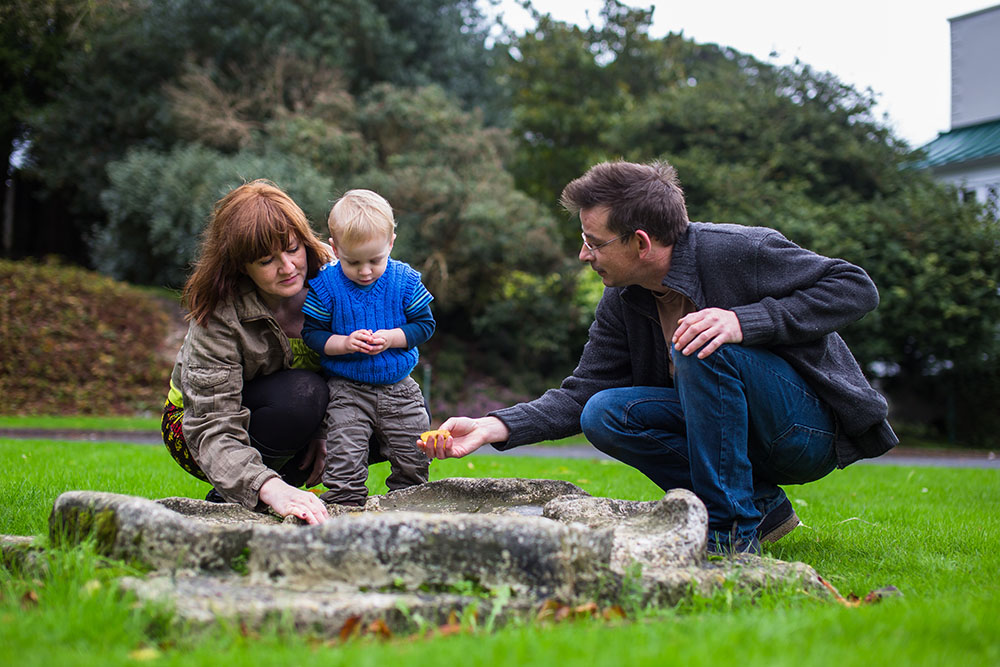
(778, 522)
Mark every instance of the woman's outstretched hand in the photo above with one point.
(286, 500)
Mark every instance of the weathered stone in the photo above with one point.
(476, 496)
(408, 550)
(424, 552)
(659, 534)
(223, 513)
(201, 600)
(143, 531)
(21, 552)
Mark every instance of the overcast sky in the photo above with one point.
(901, 49)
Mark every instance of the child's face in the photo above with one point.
(364, 263)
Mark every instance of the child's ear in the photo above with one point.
(333, 246)
(392, 241)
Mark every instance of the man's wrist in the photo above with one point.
(495, 429)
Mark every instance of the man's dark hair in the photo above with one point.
(638, 196)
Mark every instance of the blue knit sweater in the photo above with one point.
(335, 305)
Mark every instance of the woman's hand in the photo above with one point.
(286, 500)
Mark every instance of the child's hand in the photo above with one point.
(380, 341)
(360, 341)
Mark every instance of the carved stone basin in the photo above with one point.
(414, 556)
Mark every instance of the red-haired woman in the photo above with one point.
(246, 406)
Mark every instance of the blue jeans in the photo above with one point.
(735, 425)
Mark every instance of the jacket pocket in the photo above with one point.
(207, 377)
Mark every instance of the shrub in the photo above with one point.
(76, 342)
(158, 204)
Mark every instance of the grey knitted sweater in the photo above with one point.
(788, 300)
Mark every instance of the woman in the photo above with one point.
(246, 405)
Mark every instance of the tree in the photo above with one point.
(112, 95)
(569, 84)
(785, 147)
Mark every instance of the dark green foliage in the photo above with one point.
(784, 147)
(159, 202)
(140, 114)
(109, 94)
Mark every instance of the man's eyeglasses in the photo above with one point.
(595, 248)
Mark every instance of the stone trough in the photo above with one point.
(416, 556)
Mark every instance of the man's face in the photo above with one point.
(615, 261)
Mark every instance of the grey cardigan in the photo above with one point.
(788, 299)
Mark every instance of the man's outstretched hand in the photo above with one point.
(467, 435)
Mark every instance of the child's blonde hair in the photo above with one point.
(359, 216)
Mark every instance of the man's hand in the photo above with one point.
(315, 460)
(706, 331)
(286, 500)
(467, 435)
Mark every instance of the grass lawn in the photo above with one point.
(933, 533)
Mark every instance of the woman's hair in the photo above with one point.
(252, 221)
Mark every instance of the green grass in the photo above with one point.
(931, 532)
(81, 422)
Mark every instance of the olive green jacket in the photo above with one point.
(240, 341)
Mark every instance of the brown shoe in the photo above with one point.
(778, 522)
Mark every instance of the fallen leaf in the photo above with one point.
(144, 653)
(881, 593)
(379, 628)
(853, 600)
(548, 609)
(449, 629)
(613, 612)
(29, 599)
(350, 628)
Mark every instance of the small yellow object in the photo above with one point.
(437, 436)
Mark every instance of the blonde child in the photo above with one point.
(365, 315)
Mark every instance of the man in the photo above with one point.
(713, 363)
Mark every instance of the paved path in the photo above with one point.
(906, 456)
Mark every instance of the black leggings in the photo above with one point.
(287, 409)
(286, 412)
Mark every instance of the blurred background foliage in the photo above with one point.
(124, 120)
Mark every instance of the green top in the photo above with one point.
(302, 357)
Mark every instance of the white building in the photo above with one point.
(968, 156)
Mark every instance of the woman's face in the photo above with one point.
(282, 274)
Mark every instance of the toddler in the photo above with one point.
(365, 315)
